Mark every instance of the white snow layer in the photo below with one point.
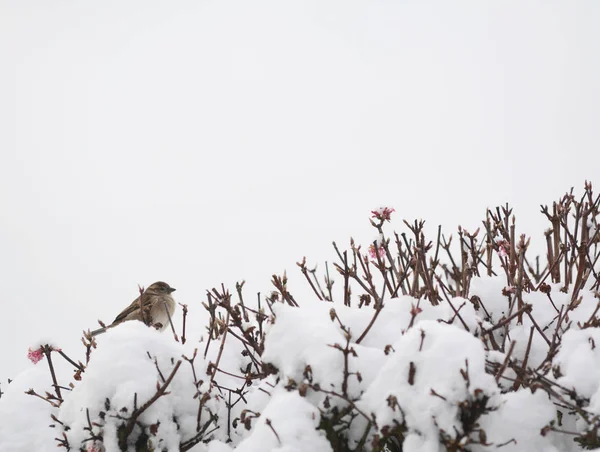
(409, 374)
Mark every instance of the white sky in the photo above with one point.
(201, 142)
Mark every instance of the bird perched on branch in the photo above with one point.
(154, 307)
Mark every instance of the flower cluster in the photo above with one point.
(37, 354)
(373, 252)
(383, 213)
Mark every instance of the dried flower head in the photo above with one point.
(509, 290)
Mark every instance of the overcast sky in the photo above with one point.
(201, 142)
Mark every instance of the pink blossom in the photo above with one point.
(383, 213)
(38, 354)
(374, 252)
(503, 246)
(94, 447)
(35, 355)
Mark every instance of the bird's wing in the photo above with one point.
(128, 310)
(133, 308)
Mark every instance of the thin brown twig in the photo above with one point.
(126, 429)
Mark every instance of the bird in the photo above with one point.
(158, 307)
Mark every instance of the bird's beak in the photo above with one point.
(172, 289)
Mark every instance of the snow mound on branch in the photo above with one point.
(294, 420)
(578, 360)
(430, 357)
(516, 424)
(293, 428)
(307, 336)
(122, 372)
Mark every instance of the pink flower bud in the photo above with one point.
(374, 252)
(503, 246)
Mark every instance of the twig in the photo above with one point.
(69, 360)
(268, 422)
(47, 351)
(525, 308)
(171, 321)
(506, 361)
(126, 429)
(185, 311)
(216, 365)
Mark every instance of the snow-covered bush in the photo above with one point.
(416, 345)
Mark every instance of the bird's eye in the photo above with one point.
(163, 289)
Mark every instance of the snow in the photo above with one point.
(294, 420)
(413, 372)
(516, 419)
(429, 357)
(579, 361)
(121, 368)
(24, 419)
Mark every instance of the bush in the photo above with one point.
(457, 344)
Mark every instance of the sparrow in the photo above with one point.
(158, 306)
